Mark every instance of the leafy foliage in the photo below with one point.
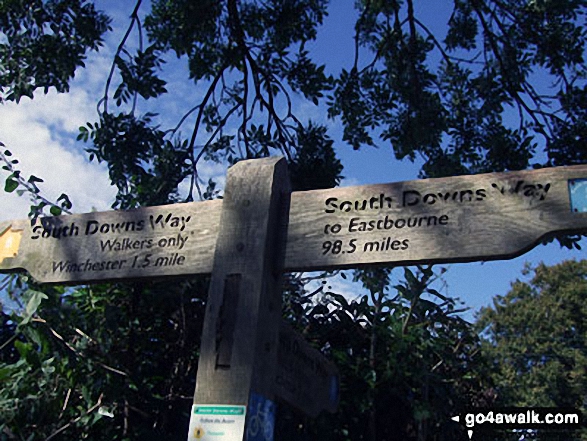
(44, 42)
(536, 339)
(406, 354)
(139, 76)
(16, 182)
(566, 147)
(145, 167)
(118, 361)
(451, 112)
(315, 165)
(91, 362)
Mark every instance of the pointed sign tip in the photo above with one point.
(470, 432)
(456, 418)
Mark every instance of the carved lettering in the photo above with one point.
(374, 203)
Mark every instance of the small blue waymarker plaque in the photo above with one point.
(578, 195)
(260, 418)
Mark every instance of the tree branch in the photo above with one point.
(134, 17)
(75, 420)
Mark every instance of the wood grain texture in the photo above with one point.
(238, 354)
(154, 241)
(456, 219)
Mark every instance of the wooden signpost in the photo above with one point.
(459, 219)
(304, 378)
(238, 353)
(258, 231)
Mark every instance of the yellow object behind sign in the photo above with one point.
(9, 243)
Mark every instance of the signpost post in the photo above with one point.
(238, 353)
(248, 239)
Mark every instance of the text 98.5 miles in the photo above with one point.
(338, 247)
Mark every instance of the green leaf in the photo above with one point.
(10, 185)
(437, 294)
(27, 352)
(5, 372)
(34, 179)
(65, 202)
(340, 299)
(23, 348)
(83, 134)
(55, 210)
(33, 304)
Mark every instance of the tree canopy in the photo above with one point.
(445, 99)
(503, 88)
(44, 43)
(535, 339)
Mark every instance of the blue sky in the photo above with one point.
(474, 283)
(41, 134)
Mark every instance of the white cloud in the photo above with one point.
(41, 134)
(310, 111)
(350, 182)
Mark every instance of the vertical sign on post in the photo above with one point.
(238, 354)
